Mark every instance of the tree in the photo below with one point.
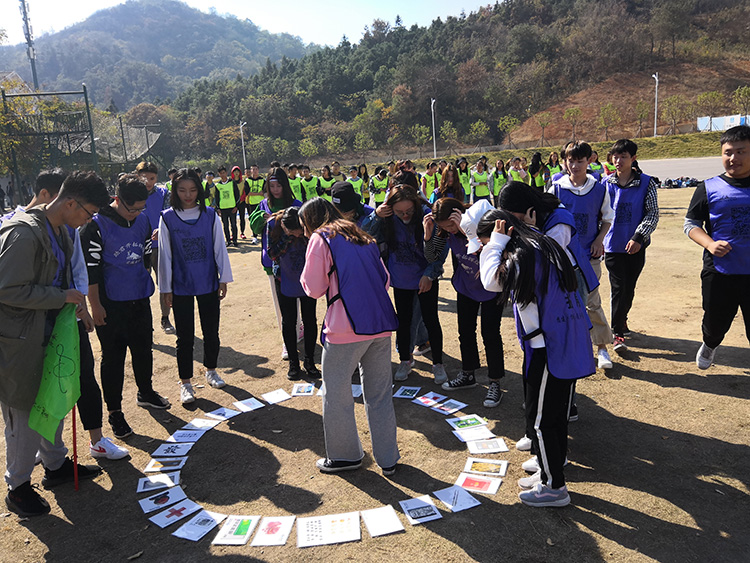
(308, 148)
(363, 143)
(543, 120)
(478, 132)
(228, 139)
(506, 125)
(420, 134)
(573, 116)
(449, 135)
(281, 148)
(642, 112)
(609, 116)
(711, 104)
(673, 111)
(741, 100)
(335, 145)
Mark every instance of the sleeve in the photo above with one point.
(651, 217)
(78, 264)
(489, 261)
(697, 214)
(318, 262)
(92, 246)
(220, 253)
(434, 247)
(529, 317)
(606, 210)
(165, 258)
(257, 220)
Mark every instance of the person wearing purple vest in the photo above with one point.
(635, 202)
(343, 263)
(718, 219)
(193, 266)
(120, 286)
(349, 204)
(553, 331)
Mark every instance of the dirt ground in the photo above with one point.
(658, 459)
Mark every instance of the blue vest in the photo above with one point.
(562, 215)
(585, 210)
(565, 325)
(194, 269)
(125, 276)
(366, 212)
(628, 204)
(265, 261)
(465, 278)
(154, 206)
(291, 264)
(361, 280)
(406, 263)
(729, 213)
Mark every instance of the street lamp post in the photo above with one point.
(242, 138)
(655, 76)
(434, 145)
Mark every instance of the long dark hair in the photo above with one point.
(455, 188)
(442, 210)
(289, 218)
(403, 192)
(287, 196)
(187, 174)
(320, 214)
(518, 197)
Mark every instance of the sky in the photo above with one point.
(350, 16)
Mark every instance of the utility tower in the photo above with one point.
(28, 33)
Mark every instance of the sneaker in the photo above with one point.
(542, 495)
(187, 393)
(422, 349)
(604, 361)
(620, 345)
(403, 370)
(253, 240)
(463, 380)
(389, 471)
(524, 444)
(65, 474)
(438, 371)
(625, 330)
(214, 379)
(120, 428)
(166, 326)
(494, 395)
(242, 236)
(26, 502)
(573, 415)
(284, 353)
(312, 370)
(106, 448)
(530, 481)
(294, 373)
(152, 399)
(531, 465)
(705, 356)
(330, 466)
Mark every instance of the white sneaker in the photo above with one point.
(214, 379)
(530, 482)
(187, 393)
(532, 465)
(403, 370)
(253, 240)
(438, 371)
(284, 353)
(524, 444)
(605, 362)
(106, 448)
(705, 356)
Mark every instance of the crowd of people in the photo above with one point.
(533, 235)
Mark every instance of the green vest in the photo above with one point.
(226, 195)
(498, 182)
(326, 185)
(296, 185)
(430, 184)
(481, 191)
(464, 179)
(539, 179)
(168, 185)
(311, 187)
(356, 184)
(516, 175)
(255, 185)
(379, 184)
(554, 169)
(208, 194)
(596, 167)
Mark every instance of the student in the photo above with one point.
(717, 220)
(362, 173)
(464, 177)
(194, 266)
(35, 280)
(350, 205)
(325, 182)
(286, 247)
(309, 184)
(295, 182)
(336, 173)
(209, 189)
(242, 207)
(595, 166)
(499, 178)
(355, 181)
(170, 174)
(378, 186)
(553, 163)
(430, 181)
(552, 330)
(538, 172)
(155, 204)
(119, 291)
(449, 186)
(516, 171)
(227, 196)
(255, 191)
(588, 201)
(397, 224)
(479, 180)
(343, 263)
(454, 224)
(634, 199)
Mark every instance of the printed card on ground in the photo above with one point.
(382, 521)
(273, 397)
(199, 525)
(429, 400)
(327, 530)
(478, 483)
(468, 421)
(356, 390)
(201, 424)
(493, 467)
(406, 392)
(186, 436)
(156, 482)
(175, 513)
(248, 405)
(490, 446)
(456, 498)
(173, 449)
(160, 500)
(236, 530)
(273, 530)
(476, 433)
(419, 510)
(166, 464)
(222, 413)
(303, 390)
(449, 407)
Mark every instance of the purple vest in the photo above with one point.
(361, 281)
(366, 212)
(565, 325)
(125, 276)
(406, 263)
(194, 269)
(265, 260)
(729, 213)
(291, 264)
(154, 206)
(585, 210)
(628, 204)
(465, 279)
(562, 215)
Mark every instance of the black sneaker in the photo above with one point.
(120, 428)
(312, 371)
(494, 395)
(462, 381)
(26, 502)
(152, 399)
(65, 474)
(166, 326)
(389, 471)
(330, 466)
(294, 373)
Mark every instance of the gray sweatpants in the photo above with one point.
(339, 424)
(22, 444)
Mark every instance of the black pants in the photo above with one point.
(90, 402)
(624, 270)
(723, 294)
(492, 313)
(184, 323)
(241, 208)
(547, 403)
(288, 306)
(229, 218)
(428, 302)
(250, 208)
(128, 328)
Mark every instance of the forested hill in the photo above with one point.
(149, 50)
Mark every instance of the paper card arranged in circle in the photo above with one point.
(478, 483)
(201, 424)
(475, 433)
(449, 407)
(199, 525)
(429, 400)
(303, 390)
(156, 482)
(273, 397)
(186, 436)
(175, 513)
(248, 405)
(405, 392)
(456, 498)
(170, 449)
(222, 414)
(236, 530)
(491, 446)
(165, 464)
(382, 521)
(356, 390)
(327, 530)
(273, 530)
(468, 421)
(419, 510)
(160, 500)
(493, 467)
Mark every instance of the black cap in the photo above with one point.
(344, 197)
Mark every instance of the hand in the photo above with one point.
(530, 217)
(455, 218)
(425, 284)
(500, 228)
(74, 296)
(83, 314)
(597, 249)
(167, 297)
(99, 314)
(384, 211)
(428, 222)
(719, 248)
(632, 247)
(222, 291)
(155, 234)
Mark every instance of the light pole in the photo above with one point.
(434, 145)
(655, 76)
(242, 138)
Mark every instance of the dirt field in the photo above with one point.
(658, 458)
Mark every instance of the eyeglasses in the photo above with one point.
(91, 215)
(408, 213)
(133, 211)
